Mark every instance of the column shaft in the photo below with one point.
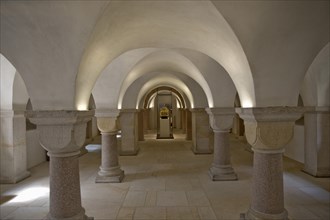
(65, 199)
(110, 171)
(267, 187)
(221, 167)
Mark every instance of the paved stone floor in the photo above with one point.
(167, 181)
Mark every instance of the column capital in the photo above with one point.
(62, 131)
(221, 119)
(269, 129)
(107, 120)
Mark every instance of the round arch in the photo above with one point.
(145, 101)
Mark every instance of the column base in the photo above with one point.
(79, 216)
(255, 215)
(225, 173)
(115, 175)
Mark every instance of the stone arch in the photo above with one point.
(14, 98)
(170, 61)
(184, 84)
(145, 101)
(315, 90)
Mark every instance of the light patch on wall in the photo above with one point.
(247, 104)
(178, 105)
(82, 107)
(30, 194)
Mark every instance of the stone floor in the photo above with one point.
(167, 181)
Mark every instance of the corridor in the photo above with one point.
(167, 181)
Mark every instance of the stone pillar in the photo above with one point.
(202, 135)
(129, 132)
(179, 118)
(268, 130)
(146, 113)
(140, 126)
(13, 163)
(110, 171)
(184, 120)
(188, 125)
(62, 133)
(221, 121)
(317, 144)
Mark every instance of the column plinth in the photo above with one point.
(221, 120)
(62, 133)
(268, 130)
(110, 171)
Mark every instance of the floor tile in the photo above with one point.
(184, 213)
(206, 213)
(197, 198)
(24, 213)
(150, 213)
(135, 198)
(176, 198)
(126, 213)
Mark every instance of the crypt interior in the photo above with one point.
(165, 109)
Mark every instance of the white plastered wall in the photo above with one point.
(314, 92)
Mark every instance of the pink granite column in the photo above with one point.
(62, 133)
(221, 167)
(110, 171)
(65, 199)
(221, 120)
(267, 186)
(268, 130)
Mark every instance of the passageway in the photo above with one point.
(166, 180)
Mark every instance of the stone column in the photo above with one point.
(184, 120)
(110, 171)
(13, 163)
(221, 120)
(62, 133)
(317, 144)
(202, 135)
(188, 125)
(179, 118)
(146, 114)
(268, 130)
(129, 132)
